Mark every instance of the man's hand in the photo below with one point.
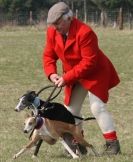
(60, 82)
(54, 78)
(57, 80)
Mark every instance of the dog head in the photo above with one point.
(28, 99)
(29, 124)
(32, 122)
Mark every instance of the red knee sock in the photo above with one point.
(111, 136)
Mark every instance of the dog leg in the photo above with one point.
(78, 136)
(30, 144)
(37, 147)
(19, 153)
(94, 151)
(69, 149)
(85, 143)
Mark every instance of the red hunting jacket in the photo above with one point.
(82, 60)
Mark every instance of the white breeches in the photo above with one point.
(97, 106)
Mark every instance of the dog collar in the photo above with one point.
(36, 102)
(39, 122)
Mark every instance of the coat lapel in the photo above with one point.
(70, 39)
(69, 42)
(71, 35)
(59, 40)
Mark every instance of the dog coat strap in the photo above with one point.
(44, 131)
(39, 122)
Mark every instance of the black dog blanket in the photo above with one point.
(56, 111)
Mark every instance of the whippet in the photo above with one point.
(50, 131)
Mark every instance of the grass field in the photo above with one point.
(21, 70)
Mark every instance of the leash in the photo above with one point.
(31, 132)
(84, 119)
(33, 128)
(50, 98)
(38, 121)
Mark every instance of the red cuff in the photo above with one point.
(110, 136)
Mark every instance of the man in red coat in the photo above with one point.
(86, 70)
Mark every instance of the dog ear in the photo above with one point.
(27, 115)
(32, 95)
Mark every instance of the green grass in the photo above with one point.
(21, 70)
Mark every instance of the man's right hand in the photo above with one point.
(54, 78)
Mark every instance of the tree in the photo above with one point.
(101, 4)
(123, 5)
(5, 4)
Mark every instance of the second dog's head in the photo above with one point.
(32, 122)
(27, 100)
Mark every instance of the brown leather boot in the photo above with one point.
(112, 147)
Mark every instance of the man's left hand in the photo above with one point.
(60, 82)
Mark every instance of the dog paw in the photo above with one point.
(76, 157)
(15, 156)
(34, 156)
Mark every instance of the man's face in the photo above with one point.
(62, 26)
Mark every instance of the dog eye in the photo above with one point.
(23, 102)
(30, 123)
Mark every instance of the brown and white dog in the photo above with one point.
(50, 131)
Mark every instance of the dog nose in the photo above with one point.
(16, 110)
(25, 131)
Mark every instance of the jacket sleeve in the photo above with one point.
(49, 56)
(89, 54)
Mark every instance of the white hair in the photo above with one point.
(68, 15)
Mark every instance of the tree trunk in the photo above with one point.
(103, 18)
(130, 20)
(120, 19)
(85, 12)
(72, 5)
(76, 14)
(31, 18)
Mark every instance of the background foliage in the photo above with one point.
(99, 12)
(13, 6)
